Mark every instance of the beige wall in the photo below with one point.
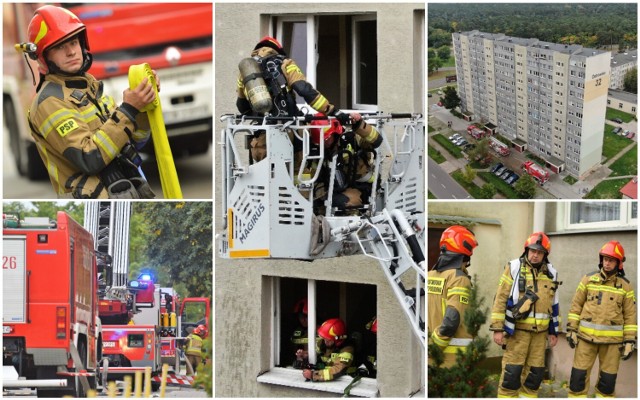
(242, 287)
(522, 94)
(559, 112)
(573, 254)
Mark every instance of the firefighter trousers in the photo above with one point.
(583, 360)
(523, 364)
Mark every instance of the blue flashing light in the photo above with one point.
(145, 277)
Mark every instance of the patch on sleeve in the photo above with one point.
(67, 126)
(435, 285)
(464, 299)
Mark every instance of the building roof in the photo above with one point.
(619, 59)
(631, 188)
(623, 96)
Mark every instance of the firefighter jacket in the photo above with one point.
(448, 292)
(337, 361)
(194, 345)
(79, 130)
(603, 309)
(518, 279)
(282, 75)
(356, 153)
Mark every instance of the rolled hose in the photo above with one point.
(166, 166)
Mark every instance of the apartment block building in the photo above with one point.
(544, 97)
(621, 63)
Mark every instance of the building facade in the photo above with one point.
(621, 63)
(544, 97)
(623, 101)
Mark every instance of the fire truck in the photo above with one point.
(136, 308)
(538, 173)
(174, 38)
(476, 132)
(52, 335)
(266, 203)
(499, 147)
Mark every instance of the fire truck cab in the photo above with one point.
(131, 348)
(50, 325)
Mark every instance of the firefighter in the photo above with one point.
(524, 315)
(299, 338)
(448, 290)
(335, 351)
(282, 77)
(355, 170)
(602, 323)
(194, 346)
(87, 143)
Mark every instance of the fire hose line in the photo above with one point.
(166, 166)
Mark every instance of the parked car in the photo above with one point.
(617, 120)
(617, 130)
(500, 170)
(630, 135)
(496, 167)
(511, 179)
(507, 173)
(462, 142)
(469, 146)
(455, 136)
(513, 182)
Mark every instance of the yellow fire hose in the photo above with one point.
(166, 166)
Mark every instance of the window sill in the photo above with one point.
(367, 387)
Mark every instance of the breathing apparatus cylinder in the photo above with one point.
(173, 320)
(255, 86)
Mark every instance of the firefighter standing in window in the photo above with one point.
(299, 338)
(525, 313)
(194, 346)
(602, 323)
(335, 352)
(87, 143)
(448, 291)
(266, 86)
(355, 171)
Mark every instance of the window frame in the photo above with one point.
(625, 220)
(355, 40)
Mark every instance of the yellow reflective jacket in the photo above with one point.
(603, 309)
(194, 345)
(448, 288)
(78, 131)
(337, 361)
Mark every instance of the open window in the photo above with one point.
(354, 303)
(337, 53)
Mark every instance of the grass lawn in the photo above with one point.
(472, 188)
(627, 164)
(450, 147)
(570, 179)
(441, 75)
(613, 113)
(431, 196)
(451, 62)
(499, 184)
(613, 143)
(435, 155)
(609, 189)
(430, 128)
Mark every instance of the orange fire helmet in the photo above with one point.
(458, 239)
(615, 250)
(538, 241)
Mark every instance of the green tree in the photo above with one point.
(451, 99)
(465, 379)
(469, 174)
(179, 244)
(431, 53)
(488, 191)
(444, 52)
(434, 63)
(525, 187)
(48, 209)
(481, 152)
(631, 80)
(204, 378)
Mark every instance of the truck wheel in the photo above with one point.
(79, 389)
(35, 169)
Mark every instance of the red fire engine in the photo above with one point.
(537, 172)
(50, 325)
(476, 132)
(499, 147)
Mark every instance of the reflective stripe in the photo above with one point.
(439, 341)
(52, 120)
(292, 68)
(345, 357)
(630, 328)
(326, 374)
(580, 287)
(52, 169)
(528, 396)
(460, 342)
(602, 288)
(366, 178)
(600, 330)
(105, 143)
(505, 279)
(320, 103)
(239, 83)
(139, 135)
(454, 349)
(573, 317)
(497, 316)
(371, 137)
(631, 294)
(458, 291)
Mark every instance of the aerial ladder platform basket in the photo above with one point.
(268, 206)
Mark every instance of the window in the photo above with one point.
(620, 105)
(135, 340)
(365, 61)
(354, 303)
(601, 214)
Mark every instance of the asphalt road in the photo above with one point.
(195, 174)
(442, 185)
